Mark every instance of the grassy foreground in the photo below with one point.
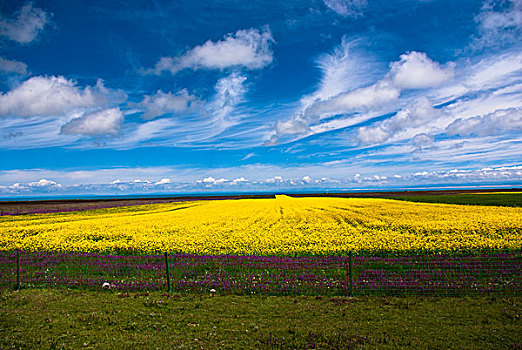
(71, 319)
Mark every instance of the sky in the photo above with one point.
(127, 97)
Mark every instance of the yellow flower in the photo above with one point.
(283, 225)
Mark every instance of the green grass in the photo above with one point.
(498, 199)
(72, 319)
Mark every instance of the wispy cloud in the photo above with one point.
(12, 66)
(230, 92)
(499, 24)
(347, 8)
(28, 23)
(414, 70)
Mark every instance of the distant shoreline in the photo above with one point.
(239, 195)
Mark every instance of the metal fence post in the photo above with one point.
(350, 271)
(18, 278)
(168, 271)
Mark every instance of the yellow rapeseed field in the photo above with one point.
(282, 225)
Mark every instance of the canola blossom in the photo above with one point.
(279, 226)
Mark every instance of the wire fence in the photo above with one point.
(430, 274)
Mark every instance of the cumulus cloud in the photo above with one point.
(297, 125)
(510, 173)
(239, 180)
(419, 113)
(44, 183)
(209, 181)
(249, 48)
(102, 122)
(499, 23)
(415, 70)
(163, 181)
(53, 96)
(371, 135)
(498, 175)
(23, 29)
(274, 180)
(499, 122)
(40, 186)
(347, 8)
(12, 66)
(375, 179)
(163, 103)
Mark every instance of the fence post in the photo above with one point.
(18, 278)
(350, 272)
(168, 271)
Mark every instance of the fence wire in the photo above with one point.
(498, 272)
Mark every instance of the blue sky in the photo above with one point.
(120, 97)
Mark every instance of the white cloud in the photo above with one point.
(373, 179)
(163, 103)
(44, 183)
(297, 125)
(249, 48)
(511, 173)
(102, 122)
(208, 181)
(415, 70)
(139, 181)
(275, 179)
(500, 122)
(372, 135)
(347, 8)
(28, 24)
(248, 156)
(12, 66)
(239, 180)
(40, 186)
(499, 23)
(419, 113)
(163, 181)
(53, 96)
